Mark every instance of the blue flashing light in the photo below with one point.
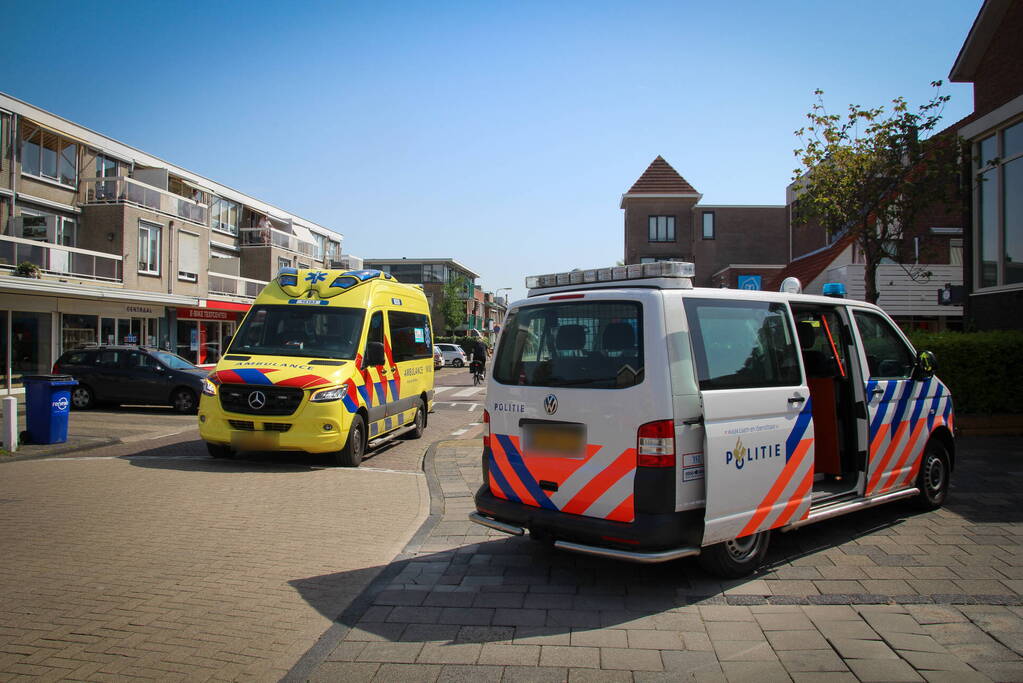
(834, 289)
(287, 280)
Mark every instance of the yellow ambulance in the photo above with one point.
(325, 361)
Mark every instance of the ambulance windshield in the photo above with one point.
(589, 345)
(304, 331)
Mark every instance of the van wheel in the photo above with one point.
(933, 478)
(82, 397)
(419, 421)
(217, 450)
(351, 454)
(736, 558)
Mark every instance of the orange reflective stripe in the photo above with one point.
(889, 452)
(795, 501)
(599, 485)
(625, 512)
(906, 452)
(779, 485)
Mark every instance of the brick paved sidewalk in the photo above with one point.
(889, 594)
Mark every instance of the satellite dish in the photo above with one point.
(791, 285)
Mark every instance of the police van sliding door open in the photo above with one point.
(758, 444)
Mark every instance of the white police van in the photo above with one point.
(633, 416)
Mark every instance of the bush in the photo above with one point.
(982, 369)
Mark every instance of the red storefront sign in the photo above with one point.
(206, 314)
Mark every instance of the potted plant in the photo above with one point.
(28, 269)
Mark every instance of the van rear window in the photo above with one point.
(593, 345)
(742, 344)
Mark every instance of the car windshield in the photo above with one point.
(597, 345)
(291, 330)
(173, 362)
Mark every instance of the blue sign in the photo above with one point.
(749, 282)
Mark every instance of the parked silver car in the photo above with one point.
(453, 355)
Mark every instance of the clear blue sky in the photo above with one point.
(498, 134)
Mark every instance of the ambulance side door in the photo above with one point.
(410, 357)
(758, 432)
(374, 391)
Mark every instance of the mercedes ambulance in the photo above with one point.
(633, 416)
(325, 361)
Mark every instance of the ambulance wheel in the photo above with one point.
(419, 422)
(736, 558)
(933, 478)
(217, 450)
(351, 454)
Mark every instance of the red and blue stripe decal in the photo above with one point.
(244, 376)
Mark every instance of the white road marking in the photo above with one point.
(473, 406)
(465, 393)
(437, 390)
(459, 432)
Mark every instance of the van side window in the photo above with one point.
(592, 345)
(888, 357)
(410, 335)
(742, 344)
(376, 328)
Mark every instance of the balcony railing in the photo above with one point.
(232, 285)
(57, 259)
(125, 190)
(271, 237)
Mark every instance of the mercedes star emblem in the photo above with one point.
(257, 399)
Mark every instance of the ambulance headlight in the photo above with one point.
(326, 395)
(208, 387)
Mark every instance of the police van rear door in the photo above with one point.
(756, 408)
(572, 382)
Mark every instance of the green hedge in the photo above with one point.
(982, 369)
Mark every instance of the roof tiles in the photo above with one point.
(661, 178)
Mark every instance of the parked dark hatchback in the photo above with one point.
(131, 374)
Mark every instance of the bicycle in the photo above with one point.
(477, 372)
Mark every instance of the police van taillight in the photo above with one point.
(486, 433)
(655, 444)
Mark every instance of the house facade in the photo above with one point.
(120, 246)
(991, 59)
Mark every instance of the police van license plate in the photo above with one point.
(555, 439)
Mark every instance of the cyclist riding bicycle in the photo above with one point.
(479, 357)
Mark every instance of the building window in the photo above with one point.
(998, 162)
(708, 225)
(661, 228)
(149, 248)
(188, 256)
(47, 155)
(224, 215)
(283, 263)
(105, 166)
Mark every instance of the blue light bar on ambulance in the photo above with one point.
(634, 271)
(834, 289)
(287, 277)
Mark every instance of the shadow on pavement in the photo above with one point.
(497, 585)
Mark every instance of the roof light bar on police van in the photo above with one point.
(635, 271)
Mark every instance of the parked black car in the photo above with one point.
(131, 374)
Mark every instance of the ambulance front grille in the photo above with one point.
(276, 426)
(274, 400)
(244, 425)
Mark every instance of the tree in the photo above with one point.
(868, 173)
(452, 303)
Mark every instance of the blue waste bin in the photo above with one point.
(47, 404)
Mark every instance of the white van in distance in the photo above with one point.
(633, 416)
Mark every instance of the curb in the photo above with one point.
(111, 441)
(314, 656)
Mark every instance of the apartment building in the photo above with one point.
(483, 311)
(731, 245)
(104, 243)
(991, 59)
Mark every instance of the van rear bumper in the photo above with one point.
(649, 532)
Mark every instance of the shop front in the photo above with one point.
(202, 333)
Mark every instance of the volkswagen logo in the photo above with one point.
(257, 399)
(550, 404)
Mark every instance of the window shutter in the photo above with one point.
(188, 255)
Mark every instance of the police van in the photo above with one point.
(325, 361)
(632, 416)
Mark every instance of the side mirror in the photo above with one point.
(926, 365)
(159, 369)
(374, 354)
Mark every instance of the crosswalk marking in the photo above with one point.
(465, 393)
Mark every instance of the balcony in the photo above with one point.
(233, 285)
(271, 237)
(127, 191)
(56, 259)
